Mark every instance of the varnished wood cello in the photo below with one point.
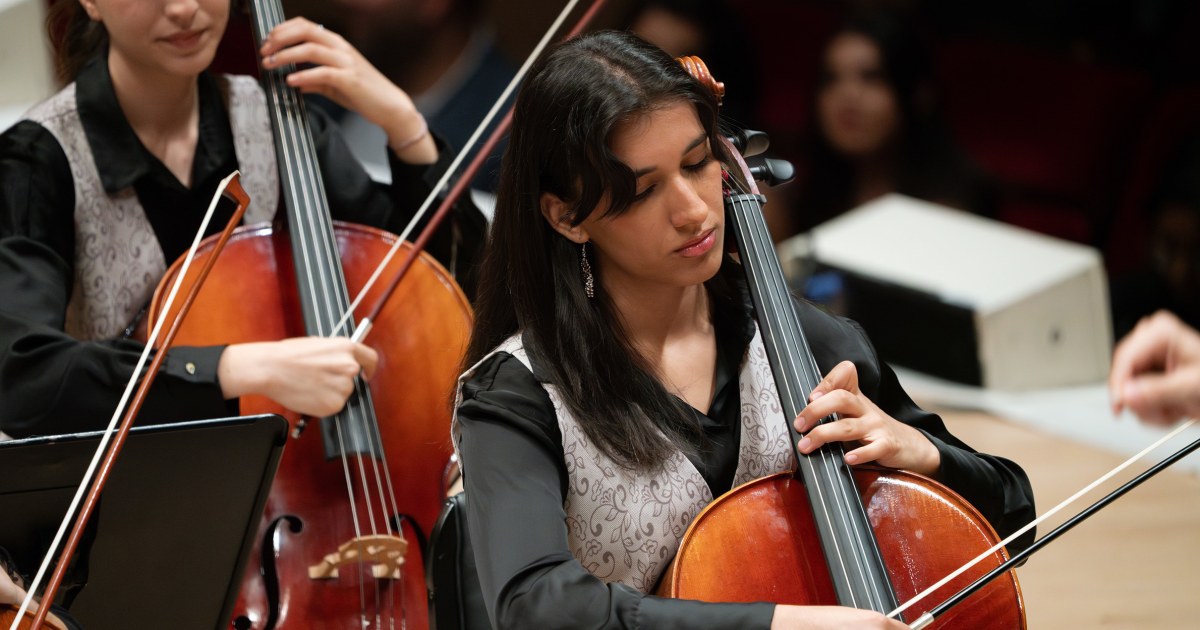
(827, 534)
(340, 541)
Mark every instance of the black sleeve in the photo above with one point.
(996, 486)
(515, 476)
(51, 383)
(355, 197)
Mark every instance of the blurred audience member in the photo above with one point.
(878, 129)
(439, 51)
(1170, 278)
(713, 31)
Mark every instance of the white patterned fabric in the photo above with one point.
(625, 526)
(118, 261)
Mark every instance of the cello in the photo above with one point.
(340, 539)
(866, 537)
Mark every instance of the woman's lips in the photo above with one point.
(184, 40)
(700, 245)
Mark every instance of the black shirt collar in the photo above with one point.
(121, 159)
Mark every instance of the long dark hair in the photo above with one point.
(928, 163)
(74, 36)
(530, 280)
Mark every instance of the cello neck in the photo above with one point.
(320, 281)
(855, 563)
(323, 295)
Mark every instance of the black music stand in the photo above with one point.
(174, 525)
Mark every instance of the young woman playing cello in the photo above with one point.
(105, 183)
(616, 380)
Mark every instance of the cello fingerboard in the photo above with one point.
(847, 538)
(320, 280)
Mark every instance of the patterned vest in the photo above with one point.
(118, 261)
(626, 527)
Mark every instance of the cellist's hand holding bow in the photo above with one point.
(343, 75)
(309, 375)
(883, 439)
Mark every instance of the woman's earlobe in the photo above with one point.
(554, 210)
(90, 8)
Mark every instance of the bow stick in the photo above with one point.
(232, 187)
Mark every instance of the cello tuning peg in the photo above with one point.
(771, 171)
(750, 142)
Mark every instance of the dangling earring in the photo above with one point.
(589, 281)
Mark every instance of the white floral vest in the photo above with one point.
(118, 261)
(626, 527)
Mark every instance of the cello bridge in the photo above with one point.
(385, 553)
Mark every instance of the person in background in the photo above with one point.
(714, 31)
(1170, 277)
(442, 52)
(106, 183)
(878, 129)
(1156, 370)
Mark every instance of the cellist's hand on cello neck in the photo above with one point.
(882, 439)
(340, 73)
(819, 617)
(309, 375)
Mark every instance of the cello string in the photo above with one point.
(322, 267)
(269, 15)
(836, 479)
(831, 456)
(325, 261)
(839, 473)
(106, 438)
(1035, 522)
(776, 299)
(326, 264)
(333, 297)
(786, 359)
(458, 160)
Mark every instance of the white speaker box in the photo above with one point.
(966, 298)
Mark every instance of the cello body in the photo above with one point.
(764, 533)
(319, 500)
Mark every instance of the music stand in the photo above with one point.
(173, 527)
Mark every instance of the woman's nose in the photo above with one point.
(181, 12)
(688, 206)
